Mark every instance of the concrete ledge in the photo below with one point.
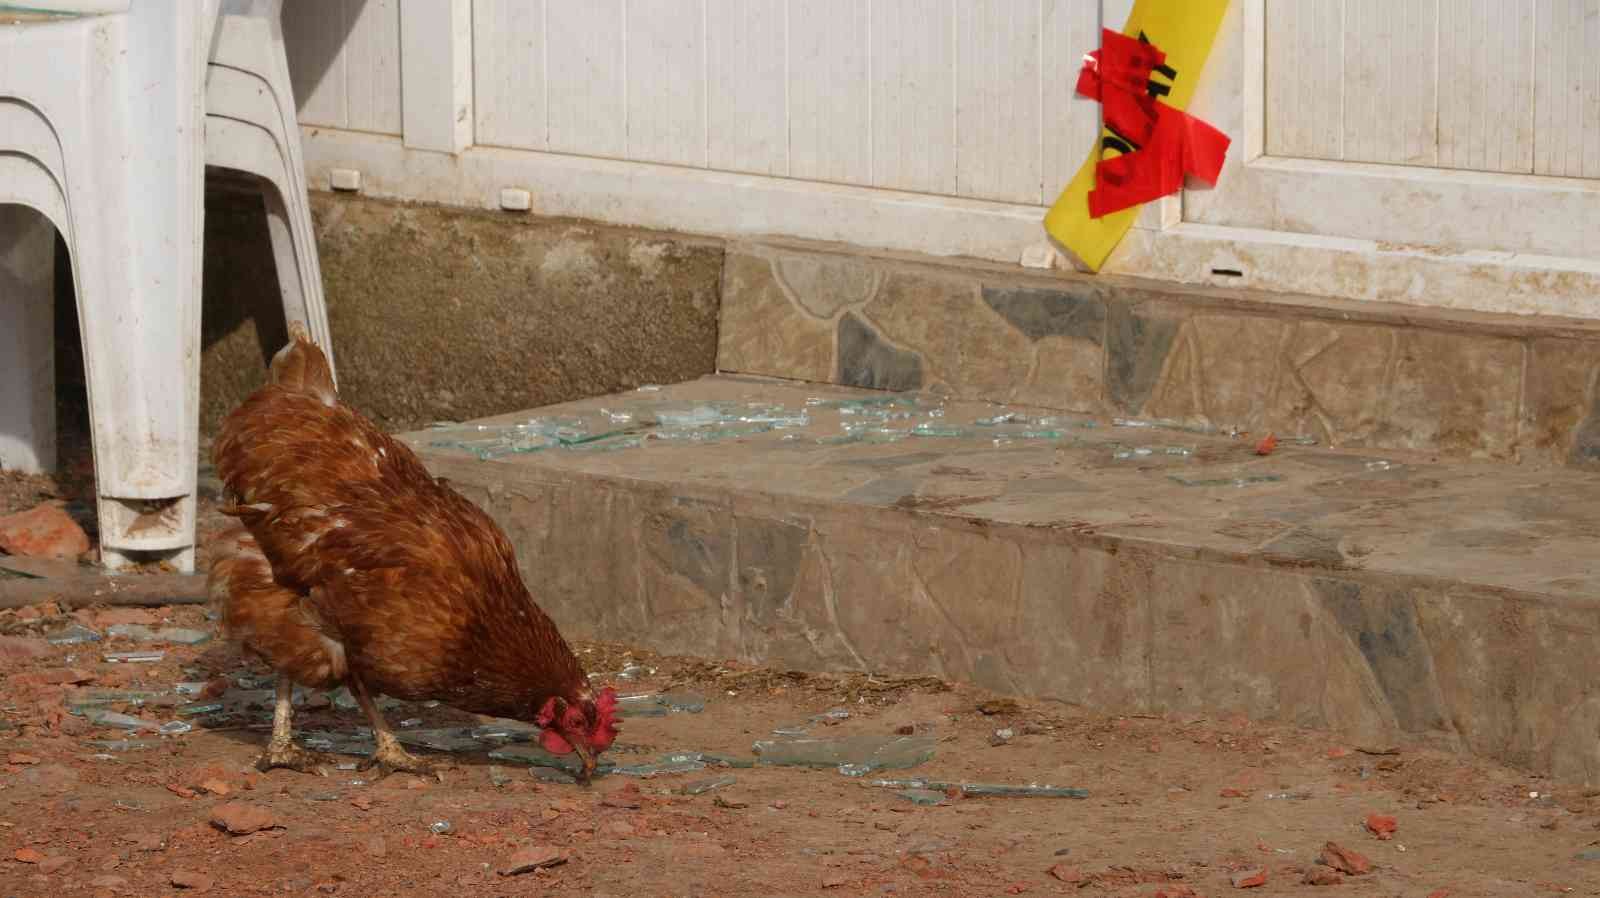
(1383, 596)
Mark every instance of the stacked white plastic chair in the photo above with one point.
(108, 114)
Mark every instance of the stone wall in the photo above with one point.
(1460, 384)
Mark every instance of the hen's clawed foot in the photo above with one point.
(391, 758)
(290, 757)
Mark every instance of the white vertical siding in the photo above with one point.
(747, 97)
(586, 78)
(968, 98)
(1507, 86)
(1566, 88)
(913, 95)
(830, 101)
(1486, 109)
(998, 117)
(509, 61)
(1390, 95)
(1304, 71)
(344, 61)
(666, 81)
(1070, 124)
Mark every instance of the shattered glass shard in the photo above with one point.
(1031, 790)
(667, 765)
(141, 633)
(504, 731)
(871, 752)
(1240, 481)
(654, 704)
(340, 743)
(1028, 791)
(534, 756)
(89, 697)
(1147, 451)
(709, 434)
(922, 796)
(125, 744)
(451, 739)
(102, 717)
(694, 416)
(702, 786)
(606, 445)
(72, 634)
(687, 702)
(133, 657)
(553, 775)
(865, 402)
(926, 429)
(715, 759)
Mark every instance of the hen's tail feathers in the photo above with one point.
(300, 365)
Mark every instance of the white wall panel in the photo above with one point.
(586, 77)
(830, 112)
(747, 103)
(508, 73)
(1304, 70)
(1069, 124)
(913, 95)
(1390, 94)
(344, 62)
(1506, 86)
(1486, 110)
(998, 115)
(1566, 88)
(667, 69)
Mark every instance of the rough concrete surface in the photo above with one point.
(441, 314)
(1181, 806)
(1384, 596)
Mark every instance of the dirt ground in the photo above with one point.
(1176, 806)
(1173, 803)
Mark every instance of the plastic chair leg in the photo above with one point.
(294, 245)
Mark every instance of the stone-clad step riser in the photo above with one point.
(1106, 623)
(1463, 385)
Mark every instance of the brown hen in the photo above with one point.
(352, 565)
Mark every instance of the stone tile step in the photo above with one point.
(1368, 375)
(1382, 594)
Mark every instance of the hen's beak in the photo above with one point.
(588, 759)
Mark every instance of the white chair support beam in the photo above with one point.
(104, 133)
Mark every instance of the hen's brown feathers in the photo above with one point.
(267, 617)
(418, 586)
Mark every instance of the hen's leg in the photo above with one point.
(389, 757)
(281, 750)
